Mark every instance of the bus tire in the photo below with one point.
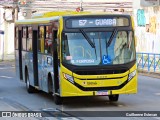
(57, 99)
(29, 88)
(50, 85)
(113, 98)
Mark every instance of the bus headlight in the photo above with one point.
(68, 77)
(131, 75)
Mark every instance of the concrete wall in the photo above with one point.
(6, 40)
(9, 41)
(1, 36)
(147, 28)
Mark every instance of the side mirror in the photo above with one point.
(49, 60)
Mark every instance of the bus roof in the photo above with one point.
(58, 13)
(37, 20)
(54, 18)
(97, 14)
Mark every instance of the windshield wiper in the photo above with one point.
(87, 38)
(111, 38)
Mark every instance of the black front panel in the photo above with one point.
(100, 71)
(96, 21)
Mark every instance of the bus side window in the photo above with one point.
(48, 40)
(41, 39)
(24, 38)
(29, 39)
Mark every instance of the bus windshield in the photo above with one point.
(101, 48)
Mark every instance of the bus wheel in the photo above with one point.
(29, 88)
(50, 85)
(113, 98)
(57, 99)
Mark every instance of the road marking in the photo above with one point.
(157, 93)
(69, 118)
(54, 112)
(120, 105)
(3, 68)
(6, 77)
(157, 118)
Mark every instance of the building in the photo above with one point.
(1, 35)
(147, 25)
(7, 19)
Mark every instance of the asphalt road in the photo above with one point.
(13, 91)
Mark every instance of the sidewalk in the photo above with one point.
(7, 63)
(149, 74)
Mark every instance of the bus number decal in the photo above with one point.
(82, 22)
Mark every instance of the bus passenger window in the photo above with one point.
(41, 39)
(29, 39)
(48, 40)
(24, 38)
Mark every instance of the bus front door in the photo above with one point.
(18, 53)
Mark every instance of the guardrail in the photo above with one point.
(148, 62)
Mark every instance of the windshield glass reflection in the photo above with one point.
(108, 48)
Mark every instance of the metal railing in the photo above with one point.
(148, 62)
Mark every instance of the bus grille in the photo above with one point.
(99, 72)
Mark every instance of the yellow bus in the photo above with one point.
(77, 55)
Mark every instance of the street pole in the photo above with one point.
(16, 13)
(3, 48)
(81, 8)
(16, 10)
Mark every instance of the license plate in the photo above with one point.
(102, 93)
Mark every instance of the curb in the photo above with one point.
(149, 74)
(7, 63)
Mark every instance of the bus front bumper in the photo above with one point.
(69, 89)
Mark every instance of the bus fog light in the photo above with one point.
(131, 75)
(68, 77)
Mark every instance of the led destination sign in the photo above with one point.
(97, 22)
